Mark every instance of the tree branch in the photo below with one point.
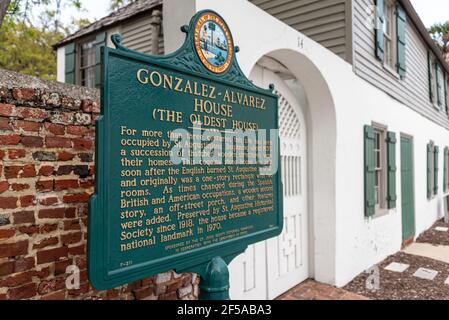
(4, 4)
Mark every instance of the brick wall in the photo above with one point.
(47, 137)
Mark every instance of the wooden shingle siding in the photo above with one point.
(413, 90)
(325, 21)
(137, 34)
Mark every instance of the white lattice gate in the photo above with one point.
(270, 268)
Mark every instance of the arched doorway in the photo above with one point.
(270, 268)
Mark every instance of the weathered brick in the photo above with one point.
(28, 126)
(12, 172)
(8, 202)
(4, 186)
(16, 154)
(57, 142)
(32, 142)
(77, 250)
(5, 125)
(46, 243)
(48, 286)
(20, 186)
(45, 186)
(49, 201)
(141, 294)
(23, 217)
(44, 156)
(61, 266)
(25, 94)
(70, 213)
(28, 171)
(65, 156)
(82, 171)
(169, 296)
(7, 110)
(34, 114)
(13, 249)
(54, 213)
(51, 255)
(90, 106)
(55, 296)
(7, 233)
(52, 99)
(86, 157)
(66, 184)
(10, 139)
(86, 183)
(62, 117)
(72, 225)
(28, 201)
(175, 285)
(77, 130)
(83, 119)
(83, 144)
(76, 197)
(55, 129)
(29, 230)
(71, 238)
(46, 171)
(24, 264)
(24, 292)
(48, 228)
(70, 103)
(16, 280)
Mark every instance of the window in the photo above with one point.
(87, 64)
(390, 34)
(380, 159)
(432, 170)
(446, 169)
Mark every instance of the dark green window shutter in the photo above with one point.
(445, 94)
(70, 63)
(401, 21)
(436, 168)
(429, 170)
(380, 20)
(369, 172)
(391, 159)
(100, 41)
(429, 67)
(438, 80)
(445, 170)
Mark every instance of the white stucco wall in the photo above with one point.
(60, 64)
(344, 242)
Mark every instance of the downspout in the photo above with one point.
(156, 21)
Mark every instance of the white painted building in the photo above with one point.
(354, 96)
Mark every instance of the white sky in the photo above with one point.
(431, 11)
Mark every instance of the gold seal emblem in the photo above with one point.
(213, 42)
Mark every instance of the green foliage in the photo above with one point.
(117, 4)
(440, 33)
(27, 49)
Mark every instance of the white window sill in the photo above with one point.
(381, 213)
(391, 71)
(437, 107)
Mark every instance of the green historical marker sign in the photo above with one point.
(186, 161)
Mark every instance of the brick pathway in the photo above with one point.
(312, 290)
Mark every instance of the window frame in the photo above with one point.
(446, 165)
(79, 67)
(381, 206)
(390, 37)
(432, 171)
